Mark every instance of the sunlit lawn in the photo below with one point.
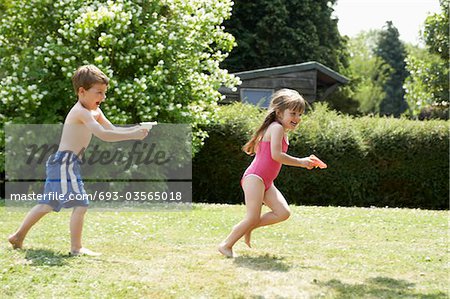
(319, 252)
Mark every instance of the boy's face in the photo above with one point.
(92, 98)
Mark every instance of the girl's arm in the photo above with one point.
(276, 139)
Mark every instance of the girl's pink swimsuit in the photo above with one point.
(263, 166)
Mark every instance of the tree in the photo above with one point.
(427, 89)
(368, 71)
(278, 32)
(427, 86)
(392, 51)
(162, 58)
(436, 33)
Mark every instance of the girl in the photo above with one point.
(270, 144)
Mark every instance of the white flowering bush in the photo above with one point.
(162, 57)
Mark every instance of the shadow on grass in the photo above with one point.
(378, 287)
(265, 262)
(45, 257)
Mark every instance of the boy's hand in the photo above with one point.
(141, 134)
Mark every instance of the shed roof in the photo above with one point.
(325, 74)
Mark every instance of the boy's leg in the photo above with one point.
(76, 229)
(36, 213)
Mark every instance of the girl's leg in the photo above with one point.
(254, 194)
(76, 229)
(280, 211)
(35, 214)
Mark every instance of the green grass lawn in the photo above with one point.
(320, 252)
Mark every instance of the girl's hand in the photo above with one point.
(307, 163)
(317, 162)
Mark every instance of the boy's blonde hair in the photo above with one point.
(281, 100)
(88, 75)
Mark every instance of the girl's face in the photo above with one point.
(289, 119)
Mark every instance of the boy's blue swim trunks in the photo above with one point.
(64, 187)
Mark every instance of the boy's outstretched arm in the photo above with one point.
(110, 133)
(109, 126)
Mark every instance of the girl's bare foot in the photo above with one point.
(84, 251)
(228, 252)
(247, 238)
(15, 241)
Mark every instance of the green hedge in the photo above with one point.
(372, 161)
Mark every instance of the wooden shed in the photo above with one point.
(311, 79)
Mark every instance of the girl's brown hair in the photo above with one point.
(281, 100)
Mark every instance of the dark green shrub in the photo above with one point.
(217, 170)
(372, 161)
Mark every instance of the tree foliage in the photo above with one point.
(392, 51)
(368, 71)
(162, 58)
(427, 86)
(427, 89)
(279, 32)
(436, 32)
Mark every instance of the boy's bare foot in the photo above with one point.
(84, 251)
(228, 252)
(247, 238)
(15, 241)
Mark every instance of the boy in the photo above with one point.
(63, 168)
